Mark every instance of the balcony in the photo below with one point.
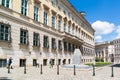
(69, 37)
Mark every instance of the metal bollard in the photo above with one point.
(74, 70)
(41, 69)
(25, 69)
(112, 73)
(58, 69)
(8, 69)
(93, 70)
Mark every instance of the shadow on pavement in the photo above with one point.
(4, 78)
(115, 65)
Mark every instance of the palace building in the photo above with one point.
(37, 31)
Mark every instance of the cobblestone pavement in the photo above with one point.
(33, 73)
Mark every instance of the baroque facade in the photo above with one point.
(37, 31)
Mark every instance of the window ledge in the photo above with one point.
(23, 44)
(5, 41)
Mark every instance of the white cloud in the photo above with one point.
(103, 27)
(98, 38)
(118, 32)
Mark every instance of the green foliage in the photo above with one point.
(99, 60)
(99, 64)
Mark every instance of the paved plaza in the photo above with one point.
(33, 73)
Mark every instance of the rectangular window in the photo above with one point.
(53, 22)
(36, 13)
(69, 14)
(53, 43)
(24, 7)
(69, 28)
(73, 47)
(45, 18)
(59, 25)
(64, 27)
(72, 30)
(5, 32)
(59, 7)
(36, 39)
(24, 36)
(53, 2)
(5, 3)
(64, 12)
(69, 46)
(46, 42)
(59, 45)
(65, 46)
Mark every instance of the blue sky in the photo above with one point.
(103, 15)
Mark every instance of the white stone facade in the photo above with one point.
(80, 34)
(104, 50)
(116, 55)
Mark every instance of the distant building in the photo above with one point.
(109, 51)
(104, 51)
(37, 31)
(116, 55)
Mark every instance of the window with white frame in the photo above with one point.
(59, 25)
(45, 17)
(46, 42)
(5, 32)
(59, 44)
(36, 39)
(69, 28)
(69, 46)
(59, 7)
(24, 7)
(64, 12)
(24, 36)
(64, 27)
(73, 30)
(69, 14)
(36, 12)
(53, 43)
(53, 22)
(53, 2)
(5, 3)
(65, 46)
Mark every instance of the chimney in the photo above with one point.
(83, 13)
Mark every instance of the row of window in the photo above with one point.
(71, 30)
(5, 35)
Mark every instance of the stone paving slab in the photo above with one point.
(33, 73)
